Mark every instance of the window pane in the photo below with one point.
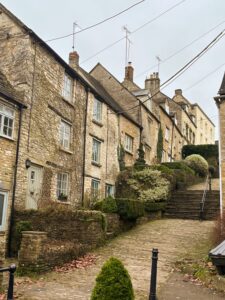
(97, 110)
(64, 135)
(96, 151)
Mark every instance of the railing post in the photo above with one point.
(152, 294)
(201, 211)
(210, 183)
(12, 270)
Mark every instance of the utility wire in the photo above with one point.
(180, 50)
(203, 78)
(134, 31)
(96, 24)
(183, 69)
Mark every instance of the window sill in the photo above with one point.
(7, 138)
(128, 152)
(65, 150)
(63, 202)
(68, 102)
(97, 122)
(96, 164)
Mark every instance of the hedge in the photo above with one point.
(155, 206)
(130, 209)
(205, 151)
(107, 205)
(113, 282)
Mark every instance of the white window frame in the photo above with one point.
(129, 143)
(62, 185)
(167, 134)
(95, 184)
(65, 134)
(67, 90)
(109, 190)
(4, 210)
(96, 150)
(5, 115)
(97, 110)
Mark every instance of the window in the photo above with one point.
(6, 121)
(109, 190)
(67, 91)
(95, 188)
(96, 148)
(97, 110)
(65, 133)
(167, 109)
(62, 186)
(128, 143)
(3, 206)
(167, 134)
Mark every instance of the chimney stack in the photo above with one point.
(129, 72)
(178, 92)
(74, 60)
(153, 83)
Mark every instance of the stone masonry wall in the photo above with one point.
(36, 72)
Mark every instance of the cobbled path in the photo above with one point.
(172, 237)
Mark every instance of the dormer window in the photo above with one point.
(67, 91)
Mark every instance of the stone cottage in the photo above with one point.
(11, 116)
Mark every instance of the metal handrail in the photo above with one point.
(207, 187)
(11, 269)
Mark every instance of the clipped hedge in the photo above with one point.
(153, 207)
(113, 282)
(107, 205)
(198, 164)
(179, 165)
(130, 209)
(205, 151)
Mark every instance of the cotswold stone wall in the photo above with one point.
(69, 233)
(34, 71)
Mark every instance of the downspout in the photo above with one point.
(171, 149)
(14, 185)
(84, 152)
(220, 170)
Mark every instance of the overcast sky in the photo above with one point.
(163, 37)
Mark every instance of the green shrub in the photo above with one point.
(113, 282)
(130, 209)
(151, 206)
(206, 151)
(178, 165)
(198, 164)
(17, 235)
(107, 205)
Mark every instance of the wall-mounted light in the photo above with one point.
(28, 163)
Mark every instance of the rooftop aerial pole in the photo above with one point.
(128, 42)
(74, 32)
(159, 61)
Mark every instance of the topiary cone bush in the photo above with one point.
(113, 282)
(198, 164)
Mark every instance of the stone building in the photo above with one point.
(220, 101)
(11, 115)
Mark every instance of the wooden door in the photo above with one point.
(34, 187)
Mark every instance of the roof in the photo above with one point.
(100, 90)
(222, 88)
(196, 104)
(8, 92)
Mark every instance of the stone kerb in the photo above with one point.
(31, 253)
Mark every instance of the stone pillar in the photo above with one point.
(31, 253)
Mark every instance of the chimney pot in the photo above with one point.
(129, 72)
(178, 92)
(74, 59)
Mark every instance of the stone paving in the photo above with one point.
(172, 237)
(201, 186)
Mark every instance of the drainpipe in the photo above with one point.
(220, 171)
(14, 184)
(84, 152)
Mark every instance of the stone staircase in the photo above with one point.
(186, 205)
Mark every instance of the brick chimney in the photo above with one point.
(153, 83)
(74, 59)
(129, 72)
(178, 92)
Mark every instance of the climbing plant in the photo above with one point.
(121, 156)
(140, 161)
(160, 145)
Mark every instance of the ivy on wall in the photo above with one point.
(160, 145)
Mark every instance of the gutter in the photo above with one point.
(84, 150)
(14, 185)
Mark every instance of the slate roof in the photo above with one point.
(222, 88)
(8, 92)
(100, 91)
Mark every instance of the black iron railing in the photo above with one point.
(11, 269)
(152, 294)
(208, 187)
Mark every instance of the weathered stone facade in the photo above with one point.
(220, 101)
